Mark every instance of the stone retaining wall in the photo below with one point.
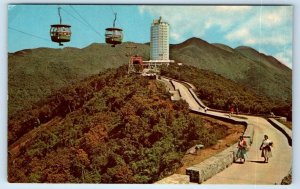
(175, 95)
(172, 82)
(201, 172)
(249, 133)
(171, 87)
(282, 128)
(175, 179)
(222, 118)
(213, 165)
(196, 98)
(288, 133)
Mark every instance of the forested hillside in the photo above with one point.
(221, 93)
(34, 74)
(108, 128)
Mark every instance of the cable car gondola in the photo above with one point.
(114, 35)
(60, 32)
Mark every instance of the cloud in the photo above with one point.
(270, 25)
(235, 9)
(196, 20)
(241, 33)
(175, 36)
(275, 16)
(265, 28)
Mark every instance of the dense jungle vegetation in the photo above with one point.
(109, 128)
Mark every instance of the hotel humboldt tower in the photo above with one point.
(159, 45)
(159, 49)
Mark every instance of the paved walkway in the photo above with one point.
(186, 95)
(253, 171)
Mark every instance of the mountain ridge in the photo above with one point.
(48, 69)
(258, 71)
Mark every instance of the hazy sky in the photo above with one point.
(268, 29)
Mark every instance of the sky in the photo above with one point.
(268, 29)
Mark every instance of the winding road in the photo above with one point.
(253, 171)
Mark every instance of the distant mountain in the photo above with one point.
(224, 47)
(256, 56)
(244, 65)
(34, 74)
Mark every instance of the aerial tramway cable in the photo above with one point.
(29, 34)
(86, 22)
(74, 17)
(62, 33)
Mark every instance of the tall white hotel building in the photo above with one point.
(159, 45)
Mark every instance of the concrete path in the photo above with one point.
(167, 84)
(170, 88)
(186, 95)
(253, 171)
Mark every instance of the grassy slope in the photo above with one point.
(243, 65)
(270, 75)
(35, 74)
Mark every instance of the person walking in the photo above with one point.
(231, 111)
(237, 109)
(242, 149)
(265, 148)
(205, 109)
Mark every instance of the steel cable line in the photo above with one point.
(84, 22)
(74, 17)
(88, 25)
(91, 27)
(127, 53)
(32, 35)
(111, 8)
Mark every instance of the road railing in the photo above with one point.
(282, 128)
